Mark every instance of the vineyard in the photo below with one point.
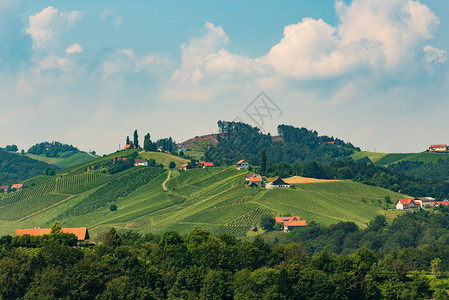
(67, 182)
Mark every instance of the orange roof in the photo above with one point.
(240, 161)
(184, 165)
(255, 178)
(406, 201)
(295, 223)
(331, 143)
(208, 164)
(17, 186)
(438, 146)
(81, 232)
(127, 146)
(442, 203)
(291, 221)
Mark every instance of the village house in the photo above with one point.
(242, 165)
(257, 179)
(278, 182)
(445, 203)
(425, 202)
(290, 222)
(438, 148)
(17, 186)
(184, 167)
(129, 146)
(4, 188)
(140, 162)
(204, 164)
(81, 232)
(182, 148)
(405, 203)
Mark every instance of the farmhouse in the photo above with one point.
(257, 179)
(184, 167)
(129, 146)
(438, 148)
(425, 202)
(290, 222)
(81, 232)
(204, 164)
(17, 186)
(140, 162)
(405, 203)
(4, 188)
(182, 148)
(445, 202)
(278, 182)
(242, 165)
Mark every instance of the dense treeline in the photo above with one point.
(434, 170)
(296, 145)
(15, 168)
(54, 149)
(411, 230)
(365, 172)
(201, 266)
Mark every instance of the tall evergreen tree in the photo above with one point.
(147, 142)
(263, 162)
(127, 140)
(136, 139)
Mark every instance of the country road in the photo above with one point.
(163, 183)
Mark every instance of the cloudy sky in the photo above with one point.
(87, 73)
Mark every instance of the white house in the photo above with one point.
(140, 162)
(426, 202)
(242, 164)
(405, 203)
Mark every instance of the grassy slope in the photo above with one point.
(76, 159)
(373, 156)
(425, 157)
(215, 198)
(164, 158)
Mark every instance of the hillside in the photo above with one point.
(64, 162)
(15, 168)
(215, 198)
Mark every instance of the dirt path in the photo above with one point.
(163, 183)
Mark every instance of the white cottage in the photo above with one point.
(405, 203)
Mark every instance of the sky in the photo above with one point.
(89, 73)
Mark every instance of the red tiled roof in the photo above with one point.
(256, 178)
(81, 232)
(291, 221)
(406, 201)
(140, 160)
(442, 203)
(248, 176)
(17, 186)
(4, 187)
(208, 164)
(331, 143)
(184, 165)
(240, 161)
(127, 146)
(438, 146)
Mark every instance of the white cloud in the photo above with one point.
(434, 55)
(118, 21)
(75, 48)
(45, 26)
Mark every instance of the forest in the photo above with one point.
(128, 265)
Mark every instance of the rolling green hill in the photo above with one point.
(215, 198)
(64, 162)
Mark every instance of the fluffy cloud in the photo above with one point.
(45, 26)
(376, 34)
(75, 48)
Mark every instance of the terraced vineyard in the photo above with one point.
(215, 198)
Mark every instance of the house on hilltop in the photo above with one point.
(184, 167)
(129, 146)
(17, 186)
(257, 179)
(439, 203)
(182, 148)
(242, 165)
(405, 203)
(278, 182)
(438, 148)
(4, 188)
(140, 162)
(81, 232)
(290, 222)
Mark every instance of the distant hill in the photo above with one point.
(64, 162)
(294, 145)
(15, 168)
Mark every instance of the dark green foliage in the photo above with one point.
(136, 139)
(121, 165)
(113, 207)
(298, 145)
(167, 144)
(172, 165)
(15, 168)
(267, 222)
(11, 148)
(433, 170)
(263, 162)
(54, 149)
(112, 238)
(50, 172)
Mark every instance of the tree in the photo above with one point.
(112, 238)
(263, 162)
(172, 165)
(11, 148)
(267, 222)
(147, 142)
(127, 140)
(49, 171)
(55, 227)
(113, 207)
(136, 139)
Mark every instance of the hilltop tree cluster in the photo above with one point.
(54, 149)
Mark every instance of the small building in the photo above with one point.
(182, 148)
(242, 165)
(290, 222)
(426, 202)
(438, 148)
(204, 164)
(405, 203)
(253, 185)
(248, 176)
(140, 162)
(81, 232)
(4, 188)
(257, 179)
(160, 149)
(184, 167)
(129, 146)
(445, 203)
(17, 186)
(278, 182)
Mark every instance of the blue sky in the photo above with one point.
(88, 73)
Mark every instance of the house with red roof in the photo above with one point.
(445, 203)
(406, 203)
(184, 167)
(257, 179)
(140, 162)
(290, 222)
(81, 232)
(4, 188)
(438, 148)
(242, 164)
(129, 146)
(17, 186)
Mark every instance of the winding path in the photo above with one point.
(163, 183)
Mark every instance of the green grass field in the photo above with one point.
(215, 198)
(373, 156)
(164, 158)
(73, 160)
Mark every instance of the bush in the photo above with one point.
(113, 207)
